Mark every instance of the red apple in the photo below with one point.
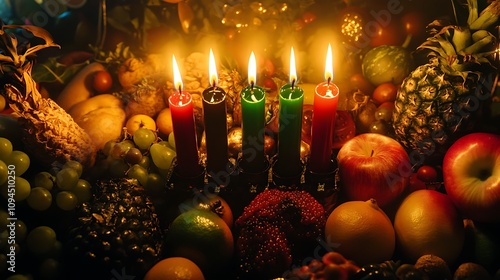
(471, 173)
(373, 166)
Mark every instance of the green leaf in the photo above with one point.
(52, 71)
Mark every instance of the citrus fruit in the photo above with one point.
(213, 203)
(164, 122)
(174, 268)
(139, 121)
(361, 232)
(427, 222)
(202, 237)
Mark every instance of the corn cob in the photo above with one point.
(49, 133)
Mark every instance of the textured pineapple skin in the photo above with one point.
(49, 133)
(431, 111)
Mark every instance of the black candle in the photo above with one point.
(214, 113)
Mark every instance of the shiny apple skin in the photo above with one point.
(471, 174)
(373, 166)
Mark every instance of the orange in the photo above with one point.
(203, 237)
(361, 232)
(164, 122)
(3, 103)
(427, 222)
(175, 268)
(138, 121)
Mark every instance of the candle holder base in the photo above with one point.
(283, 181)
(323, 187)
(222, 180)
(189, 182)
(255, 182)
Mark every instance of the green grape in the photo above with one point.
(121, 148)
(144, 137)
(21, 231)
(20, 191)
(108, 146)
(133, 156)
(145, 162)
(50, 268)
(67, 178)
(4, 172)
(155, 183)
(165, 144)
(75, 165)
(162, 156)
(41, 240)
(118, 168)
(5, 148)
(20, 160)
(83, 190)
(138, 172)
(39, 199)
(66, 200)
(44, 180)
(171, 140)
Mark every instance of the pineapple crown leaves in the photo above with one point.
(15, 56)
(459, 48)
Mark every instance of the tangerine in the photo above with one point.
(139, 121)
(174, 268)
(164, 122)
(203, 237)
(361, 231)
(427, 222)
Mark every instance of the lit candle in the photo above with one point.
(181, 107)
(323, 120)
(290, 124)
(214, 115)
(253, 122)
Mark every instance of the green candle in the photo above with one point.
(253, 121)
(290, 125)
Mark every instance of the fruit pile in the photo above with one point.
(87, 164)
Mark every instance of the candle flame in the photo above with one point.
(252, 70)
(329, 64)
(293, 72)
(212, 70)
(177, 76)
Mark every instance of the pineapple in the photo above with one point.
(49, 133)
(440, 101)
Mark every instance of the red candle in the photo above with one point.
(323, 120)
(181, 108)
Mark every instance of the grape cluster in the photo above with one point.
(37, 250)
(142, 156)
(13, 164)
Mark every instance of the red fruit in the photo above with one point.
(333, 271)
(359, 82)
(270, 84)
(309, 17)
(391, 35)
(385, 92)
(427, 174)
(415, 184)
(102, 81)
(333, 258)
(268, 69)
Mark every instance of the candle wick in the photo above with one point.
(329, 80)
(293, 83)
(371, 155)
(213, 84)
(180, 91)
(251, 85)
